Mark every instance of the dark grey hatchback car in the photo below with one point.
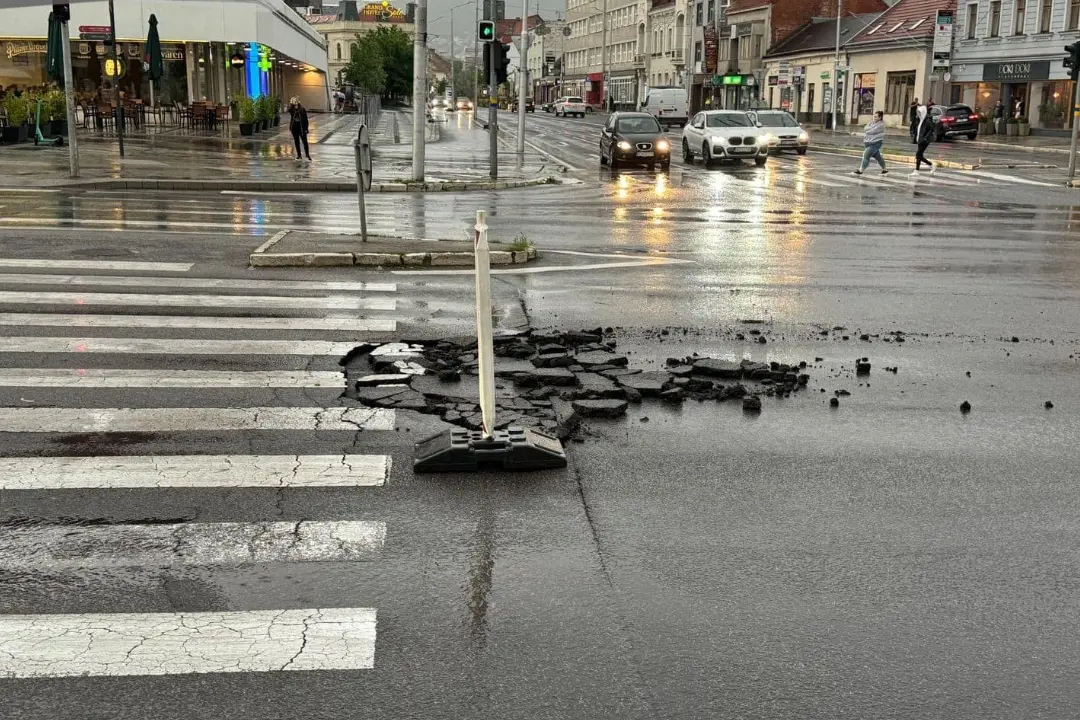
(634, 138)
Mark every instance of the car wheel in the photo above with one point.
(706, 156)
(687, 155)
(760, 161)
(801, 151)
(972, 136)
(665, 166)
(611, 158)
(603, 158)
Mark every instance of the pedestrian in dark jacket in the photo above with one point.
(912, 116)
(298, 126)
(999, 117)
(925, 132)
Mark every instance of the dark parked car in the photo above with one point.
(634, 138)
(529, 106)
(955, 120)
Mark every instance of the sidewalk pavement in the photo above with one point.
(456, 159)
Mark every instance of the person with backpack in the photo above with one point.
(912, 116)
(925, 132)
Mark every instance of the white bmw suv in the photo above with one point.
(724, 135)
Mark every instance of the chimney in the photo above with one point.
(349, 10)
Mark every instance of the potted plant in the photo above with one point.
(15, 109)
(56, 104)
(986, 122)
(1023, 126)
(262, 109)
(245, 108)
(1012, 127)
(275, 109)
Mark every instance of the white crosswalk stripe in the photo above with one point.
(164, 358)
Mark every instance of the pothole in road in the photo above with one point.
(550, 381)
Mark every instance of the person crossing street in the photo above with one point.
(298, 126)
(873, 138)
(924, 135)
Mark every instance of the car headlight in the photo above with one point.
(623, 145)
(804, 137)
(663, 145)
(720, 140)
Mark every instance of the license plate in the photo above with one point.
(645, 154)
(743, 150)
(787, 141)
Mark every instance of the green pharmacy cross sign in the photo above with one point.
(264, 62)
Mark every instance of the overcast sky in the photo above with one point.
(464, 32)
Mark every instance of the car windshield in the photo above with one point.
(777, 120)
(637, 125)
(723, 120)
(573, 100)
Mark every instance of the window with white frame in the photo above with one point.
(973, 20)
(1019, 16)
(1074, 15)
(995, 19)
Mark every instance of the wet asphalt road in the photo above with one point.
(890, 558)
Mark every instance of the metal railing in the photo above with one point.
(370, 108)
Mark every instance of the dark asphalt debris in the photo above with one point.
(834, 402)
(550, 380)
(1048, 405)
(965, 407)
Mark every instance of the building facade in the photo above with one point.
(545, 60)
(667, 38)
(213, 51)
(1011, 50)
(340, 25)
(587, 58)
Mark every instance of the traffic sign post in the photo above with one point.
(362, 151)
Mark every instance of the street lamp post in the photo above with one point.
(836, 65)
(419, 91)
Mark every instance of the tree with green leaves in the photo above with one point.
(381, 63)
(440, 87)
(464, 79)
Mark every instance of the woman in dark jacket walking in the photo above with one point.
(925, 132)
(298, 125)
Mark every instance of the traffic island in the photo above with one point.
(305, 249)
(550, 381)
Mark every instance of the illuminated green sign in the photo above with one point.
(733, 80)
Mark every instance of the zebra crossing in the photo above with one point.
(206, 336)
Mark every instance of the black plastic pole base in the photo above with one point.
(461, 450)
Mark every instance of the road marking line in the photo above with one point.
(193, 471)
(113, 378)
(62, 547)
(33, 221)
(94, 265)
(185, 419)
(278, 236)
(172, 346)
(201, 283)
(204, 322)
(263, 192)
(130, 644)
(1010, 178)
(231, 301)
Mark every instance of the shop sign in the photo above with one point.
(744, 29)
(773, 81)
(783, 74)
(172, 54)
(15, 49)
(1016, 71)
(943, 39)
(236, 61)
(866, 81)
(709, 66)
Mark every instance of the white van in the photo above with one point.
(667, 104)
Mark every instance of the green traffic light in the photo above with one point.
(485, 30)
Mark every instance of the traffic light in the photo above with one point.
(502, 62)
(1072, 61)
(485, 30)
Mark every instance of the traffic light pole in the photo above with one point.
(1075, 128)
(493, 112)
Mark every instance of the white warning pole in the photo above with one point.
(485, 343)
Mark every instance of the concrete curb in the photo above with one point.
(302, 185)
(379, 260)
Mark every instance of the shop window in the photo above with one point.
(1054, 105)
(899, 92)
(865, 99)
(973, 20)
(1074, 15)
(995, 19)
(1045, 14)
(1019, 16)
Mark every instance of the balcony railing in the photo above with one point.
(677, 57)
(639, 61)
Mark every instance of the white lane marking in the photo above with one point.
(641, 262)
(277, 237)
(196, 282)
(119, 644)
(112, 224)
(264, 192)
(201, 322)
(196, 471)
(94, 265)
(49, 224)
(843, 179)
(170, 346)
(231, 301)
(113, 378)
(26, 190)
(1010, 178)
(36, 548)
(184, 419)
